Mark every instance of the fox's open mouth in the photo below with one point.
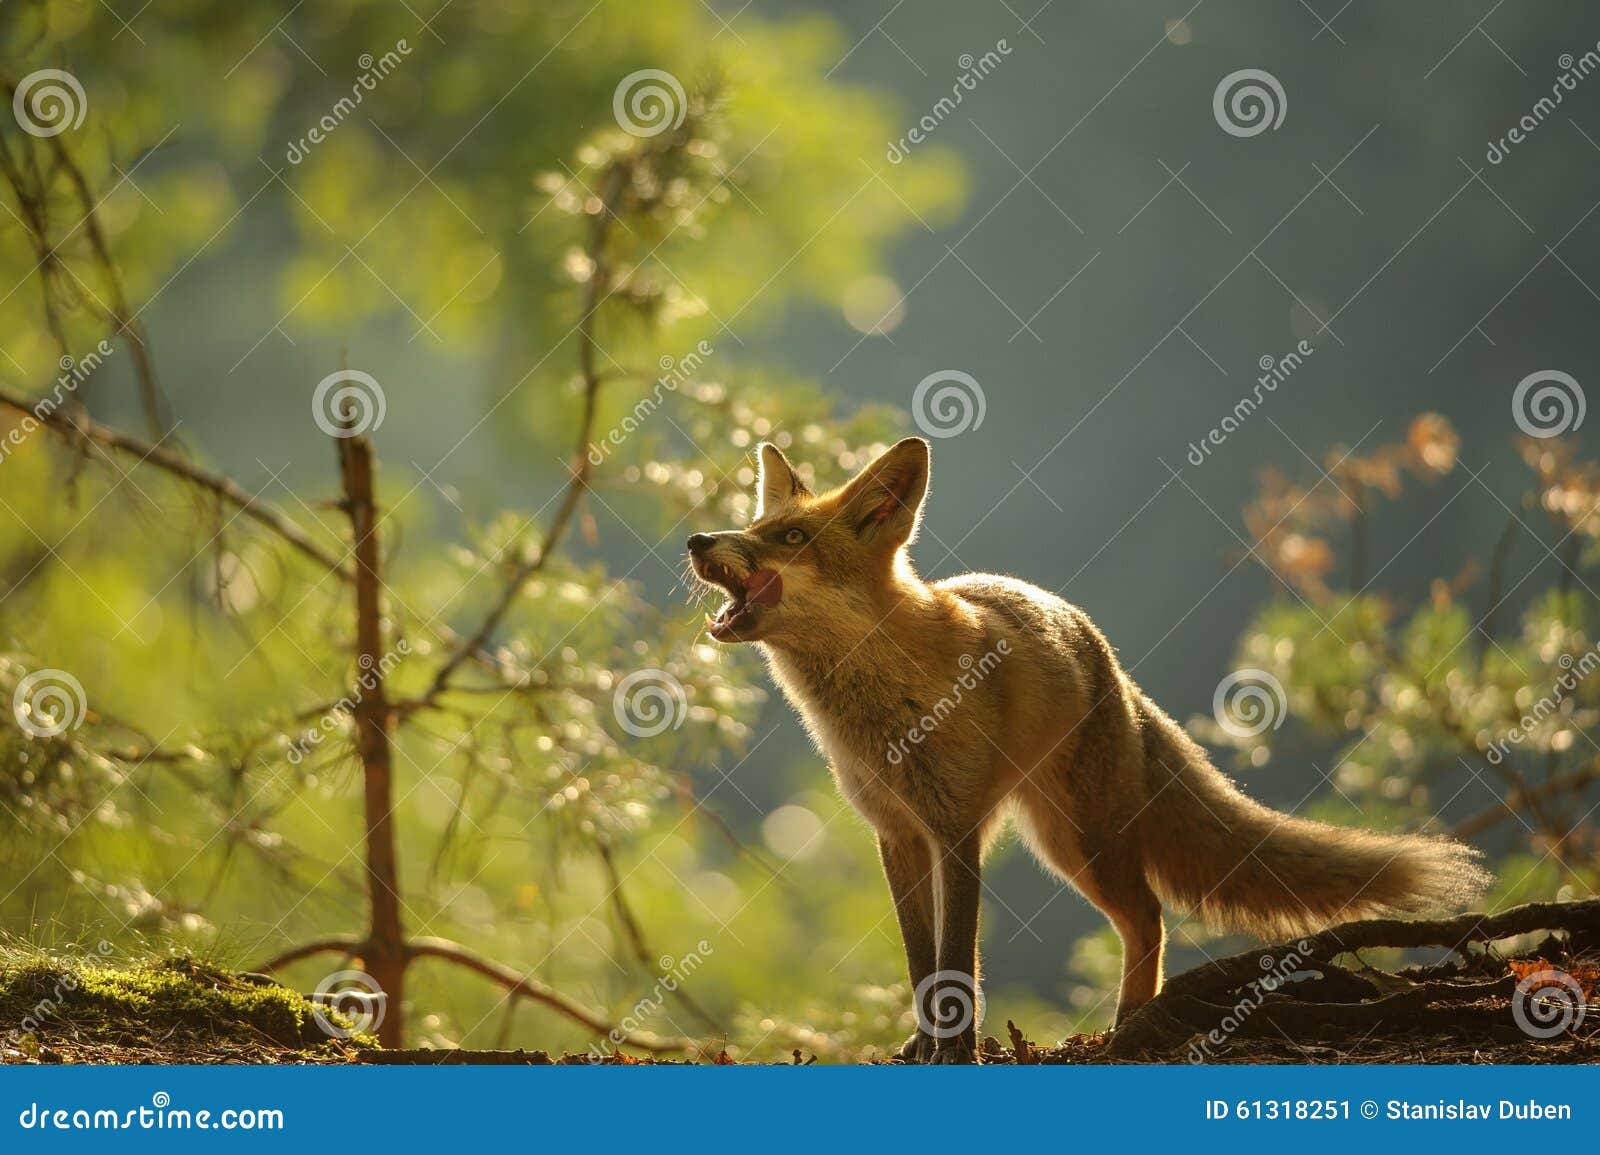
(747, 597)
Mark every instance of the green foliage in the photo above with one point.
(486, 201)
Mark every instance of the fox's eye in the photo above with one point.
(794, 537)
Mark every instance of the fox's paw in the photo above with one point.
(917, 1049)
(956, 1050)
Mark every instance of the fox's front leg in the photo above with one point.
(908, 865)
(949, 1011)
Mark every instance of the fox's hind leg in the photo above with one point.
(1116, 884)
(1109, 874)
(908, 865)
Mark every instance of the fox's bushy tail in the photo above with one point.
(1247, 867)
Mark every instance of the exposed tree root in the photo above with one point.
(1294, 990)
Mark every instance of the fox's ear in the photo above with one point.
(777, 484)
(884, 501)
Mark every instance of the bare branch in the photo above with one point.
(523, 986)
(224, 487)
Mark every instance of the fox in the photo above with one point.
(948, 709)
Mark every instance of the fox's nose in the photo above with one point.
(700, 542)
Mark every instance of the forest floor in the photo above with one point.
(184, 1011)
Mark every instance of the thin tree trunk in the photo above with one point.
(386, 946)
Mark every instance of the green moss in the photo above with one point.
(177, 999)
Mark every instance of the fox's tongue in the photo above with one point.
(763, 588)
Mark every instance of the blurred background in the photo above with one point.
(1260, 331)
